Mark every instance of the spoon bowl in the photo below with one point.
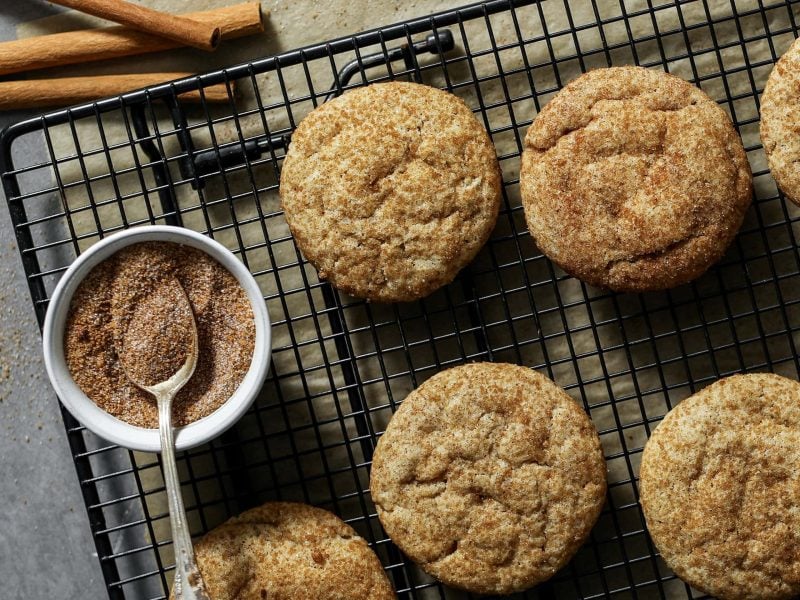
(160, 336)
(163, 331)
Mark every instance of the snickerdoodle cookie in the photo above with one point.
(720, 488)
(489, 476)
(289, 551)
(633, 180)
(390, 190)
(780, 122)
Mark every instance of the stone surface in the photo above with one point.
(46, 548)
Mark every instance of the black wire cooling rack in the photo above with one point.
(340, 366)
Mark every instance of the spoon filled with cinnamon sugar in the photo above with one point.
(159, 353)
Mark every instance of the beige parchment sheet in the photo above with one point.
(545, 338)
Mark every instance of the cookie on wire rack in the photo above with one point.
(390, 190)
(489, 476)
(780, 122)
(633, 180)
(289, 550)
(720, 488)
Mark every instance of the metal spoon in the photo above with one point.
(161, 332)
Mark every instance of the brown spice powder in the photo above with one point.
(159, 338)
(105, 303)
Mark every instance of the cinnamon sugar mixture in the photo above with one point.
(110, 308)
(159, 336)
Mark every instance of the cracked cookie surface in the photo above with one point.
(720, 488)
(780, 124)
(633, 180)
(390, 190)
(490, 477)
(289, 551)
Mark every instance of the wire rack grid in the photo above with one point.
(340, 366)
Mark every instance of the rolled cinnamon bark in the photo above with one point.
(75, 47)
(186, 31)
(40, 93)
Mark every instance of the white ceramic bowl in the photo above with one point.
(98, 420)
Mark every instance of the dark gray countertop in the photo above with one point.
(46, 549)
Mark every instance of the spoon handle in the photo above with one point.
(189, 583)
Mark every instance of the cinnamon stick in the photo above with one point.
(76, 47)
(39, 93)
(186, 31)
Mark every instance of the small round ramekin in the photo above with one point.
(111, 428)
